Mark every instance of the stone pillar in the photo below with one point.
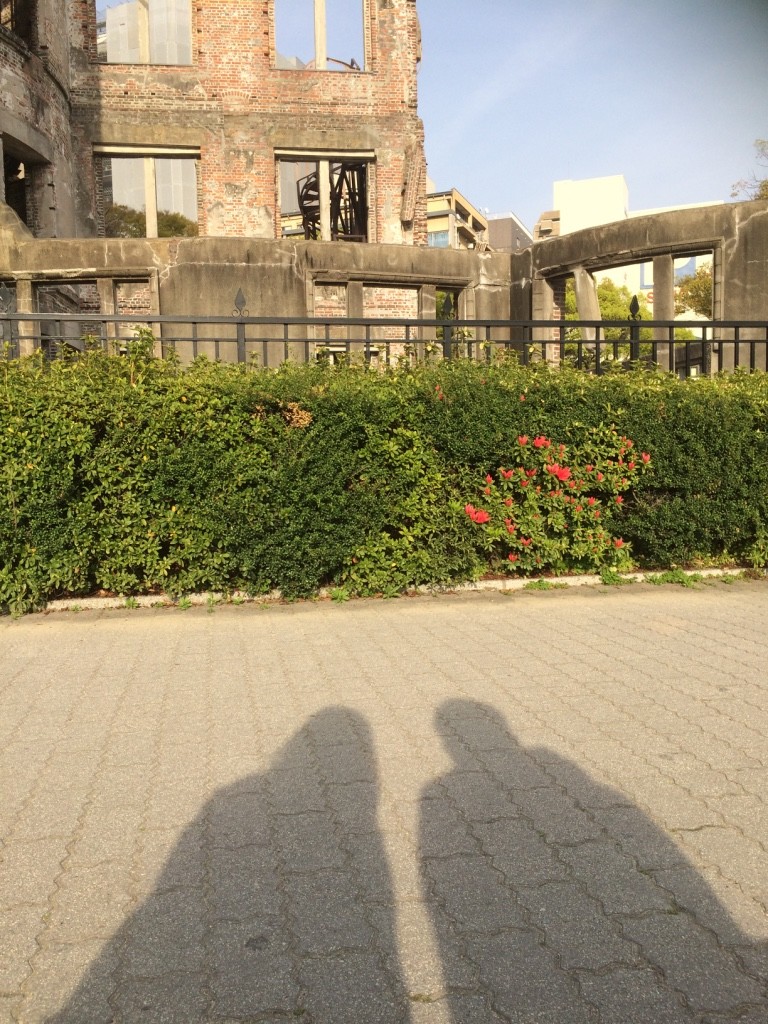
(2, 176)
(427, 311)
(543, 304)
(28, 329)
(663, 307)
(587, 305)
(321, 36)
(324, 197)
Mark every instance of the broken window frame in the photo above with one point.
(18, 17)
(322, 61)
(335, 204)
(145, 38)
(149, 155)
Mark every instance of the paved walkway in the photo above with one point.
(545, 807)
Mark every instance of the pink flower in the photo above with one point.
(630, 465)
(562, 473)
(524, 483)
(489, 479)
(525, 541)
(508, 502)
(523, 439)
(506, 473)
(645, 457)
(541, 442)
(588, 469)
(512, 557)
(486, 490)
(597, 513)
(591, 501)
(600, 476)
(530, 473)
(522, 398)
(619, 500)
(618, 543)
(470, 510)
(510, 526)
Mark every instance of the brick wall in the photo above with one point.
(34, 118)
(238, 108)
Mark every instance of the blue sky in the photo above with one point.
(516, 94)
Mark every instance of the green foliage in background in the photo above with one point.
(127, 474)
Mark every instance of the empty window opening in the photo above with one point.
(144, 31)
(321, 35)
(15, 182)
(17, 16)
(70, 297)
(325, 200)
(148, 196)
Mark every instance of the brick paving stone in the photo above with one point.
(409, 812)
(19, 928)
(694, 964)
(630, 996)
(576, 928)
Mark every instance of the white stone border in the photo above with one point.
(213, 598)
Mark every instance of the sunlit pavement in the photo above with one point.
(537, 807)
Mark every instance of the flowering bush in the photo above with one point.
(551, 509)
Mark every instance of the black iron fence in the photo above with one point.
(684, 347)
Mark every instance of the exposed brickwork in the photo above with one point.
(34, 118)
(133, 297)
(239, 108)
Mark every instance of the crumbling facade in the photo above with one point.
(130, 118)
(171, 156)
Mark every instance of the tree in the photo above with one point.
(754, 187)
(694, 293)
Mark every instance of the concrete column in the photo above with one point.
(324, 193)
(142, 17)
(27, 328)
(427, 311)
(106, 289)
(2, 176)
(663, 306)
(543, 304)
(587, 305)
(321, 36)
(150, 196)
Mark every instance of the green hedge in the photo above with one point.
(128, 475)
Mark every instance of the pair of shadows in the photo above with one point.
(277, 903)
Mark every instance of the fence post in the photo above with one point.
(447, 312)
(634, 330)
(240, 311)
(447, 341)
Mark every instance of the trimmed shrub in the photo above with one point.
(127, 474)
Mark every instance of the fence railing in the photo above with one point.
(684, 347)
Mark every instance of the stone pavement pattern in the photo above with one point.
(539, 807)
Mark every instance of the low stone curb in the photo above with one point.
(213, 598)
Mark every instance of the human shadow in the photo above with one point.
(555, 899)
(275, 904)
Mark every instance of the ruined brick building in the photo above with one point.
(188, 107)
(168, 157)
